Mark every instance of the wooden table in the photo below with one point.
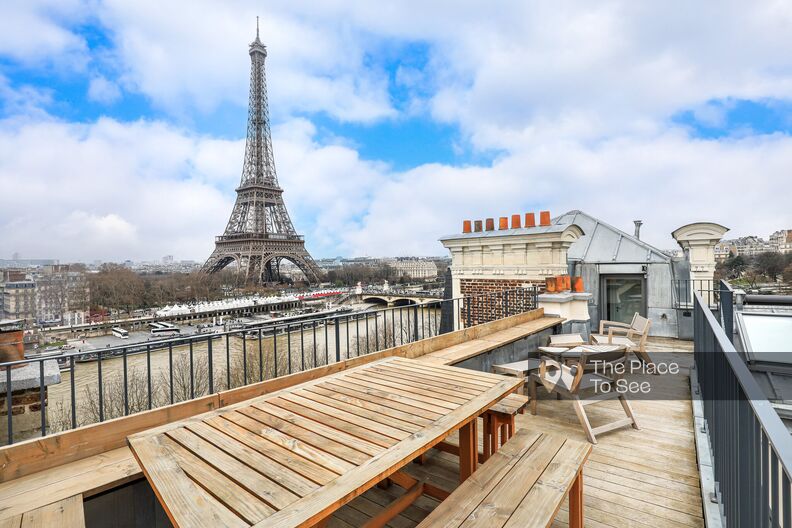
(567, 340)
(293, 457)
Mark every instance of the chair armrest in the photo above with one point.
(605, 323)
(621, 331)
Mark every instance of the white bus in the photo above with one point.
(164, 328)
(119, 332)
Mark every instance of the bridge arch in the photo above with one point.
(376, 300)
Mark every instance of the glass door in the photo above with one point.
(623, 296)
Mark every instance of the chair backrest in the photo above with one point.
(602, 362)
(554, 374)
(640, 324)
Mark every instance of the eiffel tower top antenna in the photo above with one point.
(257, 29)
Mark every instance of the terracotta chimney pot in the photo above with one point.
(530, 220)
(490, 224)
(477, 226)
(516, 221)
(559, 283)
(503, 223)
(544, 218)
(466, 228)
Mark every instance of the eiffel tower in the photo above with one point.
(260, 234)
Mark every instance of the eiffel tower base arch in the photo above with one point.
(262, 265)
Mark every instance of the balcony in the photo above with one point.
(236, 237)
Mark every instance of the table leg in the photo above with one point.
(576, 502)
(487, 435)
(468, 449)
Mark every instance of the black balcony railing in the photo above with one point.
(101, 384)
(683, 290)
(751, 447)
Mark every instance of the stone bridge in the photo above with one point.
(405, 298)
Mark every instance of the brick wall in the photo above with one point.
(492, 299)
(25, 412)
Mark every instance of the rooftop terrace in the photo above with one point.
(633, 478)
(652, 476)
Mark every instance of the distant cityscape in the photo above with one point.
(751, 246)
(44, 292)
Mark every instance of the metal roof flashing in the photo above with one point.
(603, 243)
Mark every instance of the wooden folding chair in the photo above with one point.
(633, 335)
(569, 381)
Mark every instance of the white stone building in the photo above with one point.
(781, 241)
(414, 268)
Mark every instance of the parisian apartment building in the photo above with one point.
(51, 294)
(750, 246)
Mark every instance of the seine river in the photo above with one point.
(236, 361)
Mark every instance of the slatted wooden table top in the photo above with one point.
(292, 457)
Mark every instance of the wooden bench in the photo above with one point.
(523, 484)
(65, 513)
(500, 419)
(85, 477)
(474, 347)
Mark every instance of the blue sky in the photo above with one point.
(392, 123)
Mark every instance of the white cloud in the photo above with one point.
(23, 101)
(103, 91)
(576, 98)
(195, 56)
(36, 32)
(109, 190)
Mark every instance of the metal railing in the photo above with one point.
(726, 308)
(751, 447)
(683, 290)
(106, 383)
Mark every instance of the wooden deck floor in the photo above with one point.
(645, 478)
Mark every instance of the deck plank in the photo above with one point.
(67, 512)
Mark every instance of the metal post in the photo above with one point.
(148, 373)
(337, 340)
(727, 309)
(302, 346)
(275, 349)
(261, 357)
(9, 399)
(170, 369)
(228, 362)
(244, 360)
(126, 381)
(42, 399)
(210, 362)
(192, 370)
(101, 389)
(415, 323)
(73, 393)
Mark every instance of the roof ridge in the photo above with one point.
(597, 221)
